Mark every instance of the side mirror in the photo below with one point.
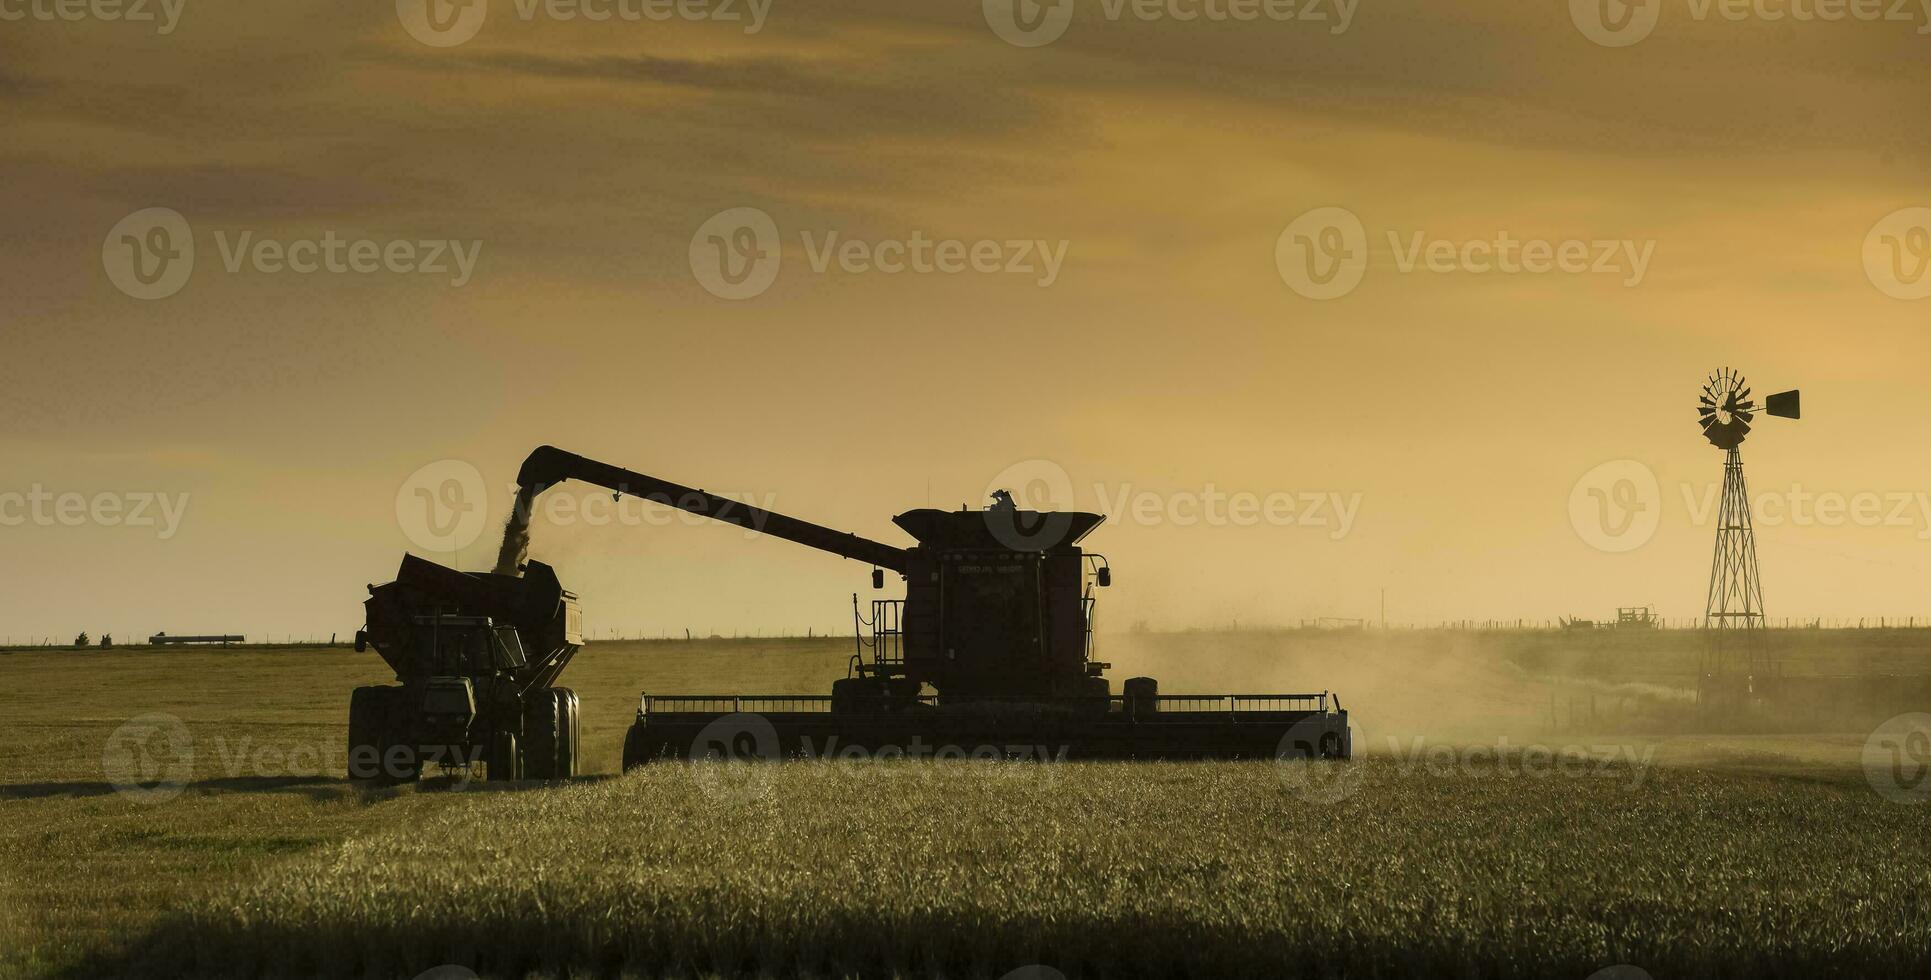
(361, 640)
(1105, 576)
(878, 578)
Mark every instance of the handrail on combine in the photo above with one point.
(1231, 705)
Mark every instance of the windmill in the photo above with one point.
(1735, 663)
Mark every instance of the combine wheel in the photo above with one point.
(542, 734)
(1331, 745)
(1142, 696)
(505, 761)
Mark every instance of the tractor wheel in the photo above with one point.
(542, 734)
(1331, 745)
(372, 738)
(505, 761)
(368, 716)
(567, 735)
(635, 754)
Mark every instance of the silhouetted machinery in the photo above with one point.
(476, 656)
(990, 651)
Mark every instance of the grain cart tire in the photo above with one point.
(372, 731)
(542, 734)
(505, 761)
(367, 718)
(567, 735)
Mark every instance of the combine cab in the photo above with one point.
(476, 656)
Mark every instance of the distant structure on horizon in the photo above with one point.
(163, 639)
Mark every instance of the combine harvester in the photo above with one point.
(991, 648)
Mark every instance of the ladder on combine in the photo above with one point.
(887, 643)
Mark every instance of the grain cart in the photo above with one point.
(476, 657)
(990, 651)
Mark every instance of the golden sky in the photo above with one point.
(1452, 410)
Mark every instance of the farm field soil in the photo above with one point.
(1725, 856)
